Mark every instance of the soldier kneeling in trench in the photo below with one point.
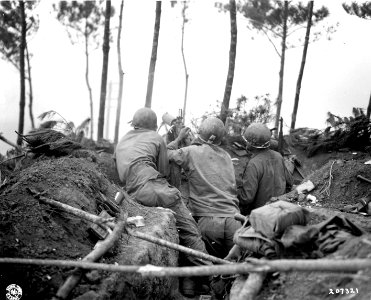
(142, 163)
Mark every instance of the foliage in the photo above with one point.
(83, 20)
(353, 132)
(362, 10)
(246, 112)
(67, 128)
(241, 117)
(266, 16)
(10, 28)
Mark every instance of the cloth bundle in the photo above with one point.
(254, 242)
(267, 225)
(273, 219)
(326, 236)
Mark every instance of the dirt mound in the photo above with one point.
(336, 184)
(319, 285)
(30, 229)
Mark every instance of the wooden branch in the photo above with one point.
(177, 247)
(237, 286)
(363, 178)
(108, 223)
(251, 287)
(5, 140)
(14, 157)
(74, 211)
(284, 265)
(270, 40)
(171, 245)
(97, 253)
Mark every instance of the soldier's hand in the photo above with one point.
(183, 133)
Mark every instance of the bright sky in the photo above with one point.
(337, 75)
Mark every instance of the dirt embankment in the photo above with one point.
(336, 185)
(30, 229)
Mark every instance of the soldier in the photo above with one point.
(142, 164)
(212, 185)
(265, 175)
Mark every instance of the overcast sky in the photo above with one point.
(337, 76)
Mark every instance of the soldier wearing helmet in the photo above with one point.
(265, 175)
(212, 185)
(142, 164)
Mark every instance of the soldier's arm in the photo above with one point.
(250, 183)
(163, 159)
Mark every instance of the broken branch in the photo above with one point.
(14, 157)
(283, 265)
(74, 211)
(363, 178)
(250, 287)
(5, 140)
(97, 253)
(103, 222)
(177, 247)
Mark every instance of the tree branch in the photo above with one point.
(283, 265)
(270, 40)
(2, 138)
(249, 288)
(101, 248)
(108, 223)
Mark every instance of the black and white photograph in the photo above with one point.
(198, 149)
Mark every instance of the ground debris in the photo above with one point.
(31, 229)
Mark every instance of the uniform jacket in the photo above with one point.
(265, 177)
(212, 184)
(141, 155)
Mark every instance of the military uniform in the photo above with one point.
(212, 192)
(142, 164)
(265, 177)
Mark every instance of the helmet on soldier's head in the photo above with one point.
(212, 130)
(145, 118)
(257, 135)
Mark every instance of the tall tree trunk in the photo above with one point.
(121, 76)
(88, 82)
(369, 108)
(103, 88)
(29, 78)
(108, 110)
(22, 100)
(301, 72)
(184, 62)
(282, 67)
(152, 65)
(232, 60)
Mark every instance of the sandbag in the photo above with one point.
(272, 220)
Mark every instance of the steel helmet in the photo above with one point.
(145, 118)
(257, 135)
(212, 130)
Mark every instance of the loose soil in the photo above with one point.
(86, 180)
(332, 194)
(30, 229)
